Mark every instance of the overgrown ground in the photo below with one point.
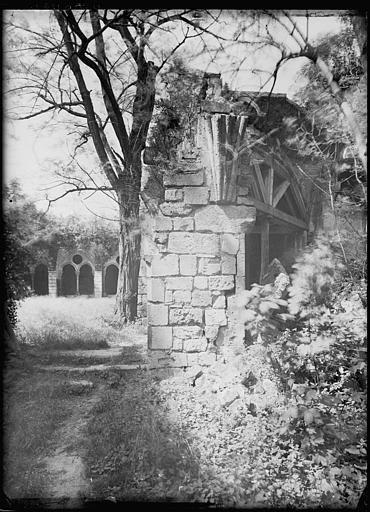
(147, 436)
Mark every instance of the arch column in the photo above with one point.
(98, 283)
(52, 283)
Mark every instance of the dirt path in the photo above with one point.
(66, 480)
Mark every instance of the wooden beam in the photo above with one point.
(265, 249)
(269, 184)
(277, 214)
(279, 192)
(260, 181)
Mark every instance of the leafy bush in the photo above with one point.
(320, 361)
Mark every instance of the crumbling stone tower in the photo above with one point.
(232, 205)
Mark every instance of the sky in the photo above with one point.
(30, 151)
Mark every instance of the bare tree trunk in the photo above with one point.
(129, 248)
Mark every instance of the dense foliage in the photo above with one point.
(20, 219)
(175, 111)
(320, 361)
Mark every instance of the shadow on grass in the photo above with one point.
(134, 450)
(34, 407)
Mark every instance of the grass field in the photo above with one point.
(72, 323)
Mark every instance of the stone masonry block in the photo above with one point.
(211, 332)
(183, 223)
(165, 265)
(179, 283)
(181, 297)
(156, 290)
(174, 194)
(209, 267)
(196, 195)
(201, 298)
(188, 265)
(228, 264)
(179, 179)
(168, 297)
(162, 224)
(221, 282)
(225, 218)
(160, 338)
(186, 316)
(175, 209)
(187, 332)
(193, 243)
(195, 344)
(201, 282)
(157, 314)
(229, 244)
(219, 302)
(215, 317)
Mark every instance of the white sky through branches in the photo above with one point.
(30, 150)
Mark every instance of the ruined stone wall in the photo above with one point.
(195, 266)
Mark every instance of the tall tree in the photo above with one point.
(100, 71)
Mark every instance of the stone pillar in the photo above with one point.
(52, 277)
(98, 283)
(194, 271)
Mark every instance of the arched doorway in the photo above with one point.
(41, 280)
(69, 280)
(111, 279)
(86, 280)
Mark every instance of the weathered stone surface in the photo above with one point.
(240, 262)
(193, 243)
(161, 238)
(188, 265)
(174, 194)
(157, 314)
(201, 298)
(168, 297)
(229, 244)
(186, 316)
(209, 267)
(239, 283)
(181, 296)
(228, 264)
(220, 302)
(201, 282)
(156, 290)
(225, 218)
(162, 224)
(195, 344)
(183, 223)
(168, 360)
(202, 358)
(228, 396)
(160, 338)
(142, 285)
(165, 265)
(179, 179)
(179, 283)
(196, 195)
(221, 282)
(215, 317)
(211, 332)
(186, 332)
(171, 209)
